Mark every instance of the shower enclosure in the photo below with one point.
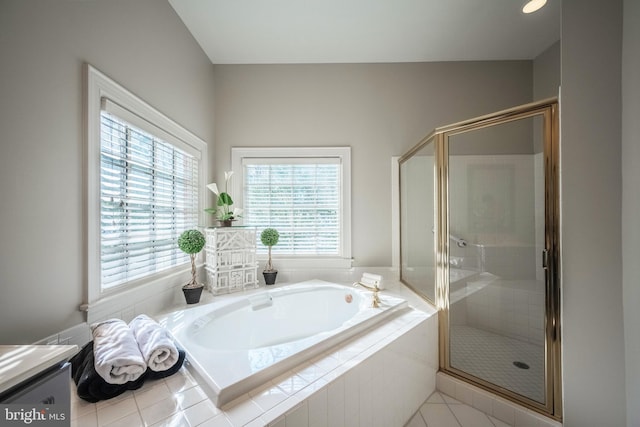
(479, 239)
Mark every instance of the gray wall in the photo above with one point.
(546, 73)
(546, 83)
(380, 110)
(631, 203)
(592, 322)
(141, 44)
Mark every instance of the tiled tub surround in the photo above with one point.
(379, 378)
(274, 330)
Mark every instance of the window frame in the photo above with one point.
(344, 260)
(98, 87)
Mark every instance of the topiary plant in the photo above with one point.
(191, 242)
(269, 237)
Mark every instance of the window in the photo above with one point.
(148, 196)
(144, 177)
(301, 192)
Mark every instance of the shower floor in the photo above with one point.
(491, 357)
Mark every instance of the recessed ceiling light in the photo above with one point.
(533, 5)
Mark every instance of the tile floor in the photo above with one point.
(441, 410)
(487, 403)
(174, 401)
(178, 401)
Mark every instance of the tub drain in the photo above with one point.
(520, 365)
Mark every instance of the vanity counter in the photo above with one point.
(19, 363)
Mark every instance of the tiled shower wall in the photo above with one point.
(512, 304)
(510, 308)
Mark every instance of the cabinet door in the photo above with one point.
(48, 388)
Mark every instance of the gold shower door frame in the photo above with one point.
(548, 110)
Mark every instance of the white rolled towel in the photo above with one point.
(117, 357)
(155, 343)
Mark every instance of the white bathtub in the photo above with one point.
(239, 343)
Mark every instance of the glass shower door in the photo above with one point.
(497, 276)
(479, 239)
(417, 177)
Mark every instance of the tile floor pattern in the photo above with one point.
(441, 410)
(178, 401)
(490, 356)
(175, 401)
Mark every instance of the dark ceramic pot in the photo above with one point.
(270, 277)
(192, 295)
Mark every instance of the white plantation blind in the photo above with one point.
(148, 196)
(301, 198)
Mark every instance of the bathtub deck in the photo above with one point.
(230, 367)
(321, 381)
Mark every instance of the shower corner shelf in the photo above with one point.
(231, 259)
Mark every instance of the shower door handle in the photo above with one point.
(545, 259)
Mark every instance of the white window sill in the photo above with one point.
(142, 298)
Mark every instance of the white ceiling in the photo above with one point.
(351, 31)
